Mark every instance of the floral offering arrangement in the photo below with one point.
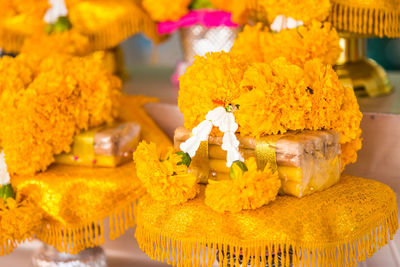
(225, 95)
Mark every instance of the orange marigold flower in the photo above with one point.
(68, 42)
(249, 190)
(162, 175)
(20, 219)
(318, 40)
(61, 96)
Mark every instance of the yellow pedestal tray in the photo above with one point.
(337, 227)
(75, 201)
(106, 23)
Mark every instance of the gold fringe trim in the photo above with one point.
(202, 251)
(73, 239)
(123, 28)
(365, 20)
(11, 41)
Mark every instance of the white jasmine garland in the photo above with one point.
(282, 22)
(225, 121)
(4, 175)
(57, 9)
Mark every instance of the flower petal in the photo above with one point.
(191, 145)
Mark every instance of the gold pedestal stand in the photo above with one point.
(367, 78)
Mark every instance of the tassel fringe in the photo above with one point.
(73, 239)
(123, 28)
(202, 252)
(365, 20)
(11, 41)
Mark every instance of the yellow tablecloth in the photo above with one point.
(339, 226)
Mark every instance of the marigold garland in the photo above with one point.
(164, 10)
(273, 97)
(162, 175)
(318, 40)
(250, 190)
(64, 95)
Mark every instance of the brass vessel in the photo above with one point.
(367, 78)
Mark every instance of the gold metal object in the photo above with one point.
(367, 78)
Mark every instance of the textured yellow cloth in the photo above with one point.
(340, 226)
(76, 200)
(105, 22)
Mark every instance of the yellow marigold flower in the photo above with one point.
(318, 40)
(67, 42)
(273, 97)
(162, 175)
(19, 219)
(164, 10)
(65, 95)
(249, 190)
(210, 82)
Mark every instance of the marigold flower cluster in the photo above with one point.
(45, 102)
(249, 190)
(19, 219)
(318, 40)
(272, 98)
(162, 175)
(164, 10)
(68, 42)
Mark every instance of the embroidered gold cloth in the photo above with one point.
(337, 227)
(76, 200)
(105, 22)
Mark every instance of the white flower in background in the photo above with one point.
(281, 22)
(4, 175)
(57, 9)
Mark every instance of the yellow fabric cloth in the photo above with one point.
(76, 200)
(105, 22)
(340, 226)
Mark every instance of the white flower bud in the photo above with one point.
(228, 123)
(4, 175)
(191, 145)
(229, 141)
(216, 115)
(202, 131)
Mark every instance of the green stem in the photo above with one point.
(6, 191)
